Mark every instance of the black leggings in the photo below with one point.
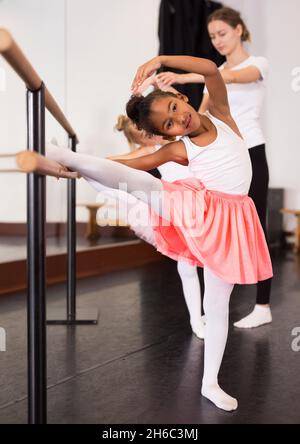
(259, 194)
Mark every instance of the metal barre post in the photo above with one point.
(72, 316)
(38, 97)
(71, 245)
(36, 252)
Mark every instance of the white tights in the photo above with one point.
(99, 172)
(192, 295)
(134, 207)
(111, 174)
(216, 307)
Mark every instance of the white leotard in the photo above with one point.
(225, 164)
(171, 171)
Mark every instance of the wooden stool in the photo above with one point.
(297, 229)
(92, 232)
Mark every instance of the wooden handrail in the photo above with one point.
(18, 61)
(32, 162)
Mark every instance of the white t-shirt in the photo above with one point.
(246, 100)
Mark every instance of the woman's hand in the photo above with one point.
(151, 81)
(145, 71)
(166, 79)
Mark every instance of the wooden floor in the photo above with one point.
(141, 364)
(106, 254)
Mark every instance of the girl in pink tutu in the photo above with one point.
(245, 77)
(142, 145)
(206, 220)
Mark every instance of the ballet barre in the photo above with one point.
(32, 162)
(18, 61)
(37, 167)
(7, 158)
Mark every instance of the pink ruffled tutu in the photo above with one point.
(209, 228)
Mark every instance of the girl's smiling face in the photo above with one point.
(173, 116)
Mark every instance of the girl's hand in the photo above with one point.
(166, 79)
(65, 173)
(145, 71)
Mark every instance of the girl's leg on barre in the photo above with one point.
(112, 174)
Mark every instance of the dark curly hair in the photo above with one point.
(138, 109)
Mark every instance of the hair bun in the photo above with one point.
(121, 123)
(133, 108)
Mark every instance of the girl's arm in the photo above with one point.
(218, 103)
(246, 75)
(174, 151)
(204, 104)
(142, 151)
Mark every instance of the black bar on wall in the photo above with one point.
(71, 244)
(36, 252)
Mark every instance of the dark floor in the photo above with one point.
(141, 364)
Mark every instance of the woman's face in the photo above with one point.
(173, 116)
(224, 37)
(140, 137)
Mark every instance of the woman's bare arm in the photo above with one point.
(142, 151)
(245, 75)
(157, 84)
(167, 79)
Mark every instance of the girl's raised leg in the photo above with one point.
(112, 174)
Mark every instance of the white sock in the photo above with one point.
(192, 295)
(216, 307)
(221, 399)
(259, 316)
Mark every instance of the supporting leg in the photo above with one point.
(216, 307)
(191, 291)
